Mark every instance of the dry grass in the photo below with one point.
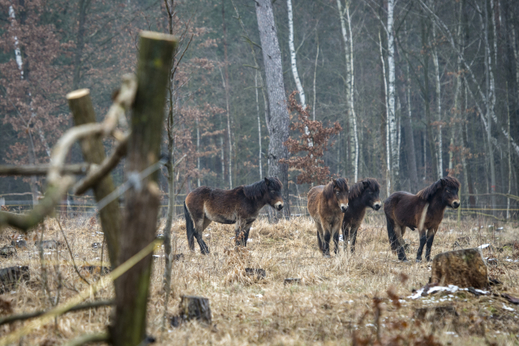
(334, 300)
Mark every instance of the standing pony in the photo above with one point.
(363, 194)
(326, 203)
(423, 211)
(238, 206)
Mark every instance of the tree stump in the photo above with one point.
(463, 268)
(10, 276)
(193, 307)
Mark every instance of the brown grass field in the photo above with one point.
(346, 299)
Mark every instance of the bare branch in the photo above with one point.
(29, 315)
(99, 172)
(77, 168)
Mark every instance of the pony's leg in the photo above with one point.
(401, 247)
(320, 237)
(245, 233)
(353, 235)
(326, 243)
(423, 239)
(241, 233)
(345, 237)
(199, 232)
(430, 239)
(336, 242)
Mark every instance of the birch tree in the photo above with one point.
(278, 118)
(391, 115)
(347, 37)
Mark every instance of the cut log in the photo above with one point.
(463, 268)
(193, 308)
(292, 281)
(7, 251)
(10, 276)
(257, 273)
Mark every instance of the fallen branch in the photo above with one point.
(87, 338)
(76, 168)
(99, 172)
(29, 315)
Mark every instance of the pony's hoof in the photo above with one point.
(418, 260)
(327, 256)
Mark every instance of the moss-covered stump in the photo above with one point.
(463, 268)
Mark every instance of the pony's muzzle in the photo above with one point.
(278, 205)
(344, 207)
(456, 203)
(377, 205)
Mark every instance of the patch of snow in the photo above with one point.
(484, 246)
(508, 308)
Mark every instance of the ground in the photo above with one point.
(340, 300)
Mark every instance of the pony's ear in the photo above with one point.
(267, 181)
(444, 182)
(365, 183)
(334, 182)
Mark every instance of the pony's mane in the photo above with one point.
(367, 184)
(259, 188)
(429, 191)
(342, 184)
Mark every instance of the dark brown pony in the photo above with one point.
(238, 206)
(326, 203)
(423, 211)
(363, 194)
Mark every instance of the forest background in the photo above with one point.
(421, 89)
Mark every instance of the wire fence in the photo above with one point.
(86, 206)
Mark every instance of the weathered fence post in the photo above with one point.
(93, 151)
(143, 199)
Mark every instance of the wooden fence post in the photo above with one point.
(143, 199)
(93, 151)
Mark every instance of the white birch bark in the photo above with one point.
(347, 37)
(491, 100)
(259, 125)
(19, 62)
(436, 64)
(198, 150)
(315, 75)
(388, 155)
(293, 61)
(391, 89)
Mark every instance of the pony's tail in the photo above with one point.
(190, 229)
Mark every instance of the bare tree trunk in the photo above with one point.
(32, 151)
(409, 137)
(198, 151)
(315, 77)
(260, 164)
(347, 37)
(227, 98)
(490, 103)
(387, 142)
(395, 164)
(80, 43)
(436, 64)
(427, 100)
(278, 117)
(142, 201)
(293, 61)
